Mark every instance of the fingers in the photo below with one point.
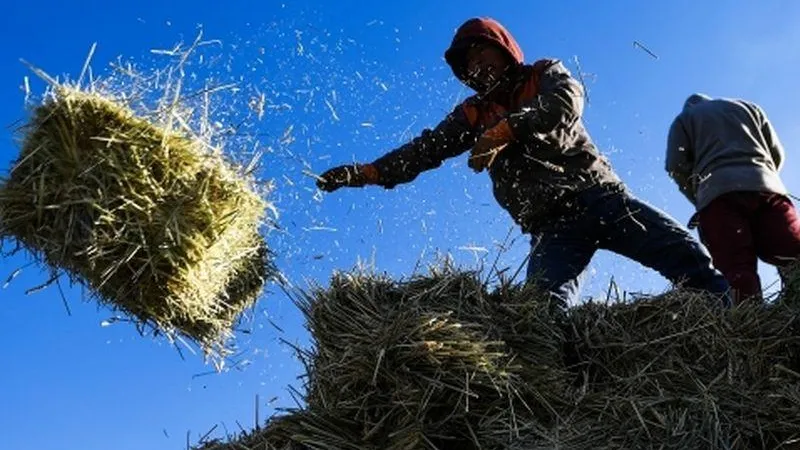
(477, 162)
(480, 161)
(493, 154)
(484, 154)
(327, 186)
(338, 177)
(477, 156)
(324, 185)
(474, 163)
(330, 180)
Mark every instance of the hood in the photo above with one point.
(695, 99)
(479, 29)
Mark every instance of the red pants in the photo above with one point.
(740, 227)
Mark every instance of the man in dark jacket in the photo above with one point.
(524, 126)
(725, 157)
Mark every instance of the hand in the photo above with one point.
(484, 152)
(489, 145)
(351, 175)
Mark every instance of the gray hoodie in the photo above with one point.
(716, 146)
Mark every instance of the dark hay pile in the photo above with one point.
(441, 362)
(155, 222)
(423, 363)
(677, 372)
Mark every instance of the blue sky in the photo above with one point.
(378, 77)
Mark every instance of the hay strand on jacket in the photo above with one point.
(153, 221)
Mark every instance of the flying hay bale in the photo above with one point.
(150, 218)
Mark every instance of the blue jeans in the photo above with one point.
(611, 218)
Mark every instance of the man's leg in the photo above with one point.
(651, 237)
(559, 256)
(726, 231)
(776, 231)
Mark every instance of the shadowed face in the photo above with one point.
(485, 65)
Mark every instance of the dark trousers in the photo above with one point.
(611, 218)
(740, 227)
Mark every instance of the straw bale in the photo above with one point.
(154, 221)
(677, 371)
(442, 362)
(678, 334)
(421, 362)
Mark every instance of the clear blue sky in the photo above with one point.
(66, 382)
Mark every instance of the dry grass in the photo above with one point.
(422, 362)
(440, 362)
(676, 372)
(154, 221)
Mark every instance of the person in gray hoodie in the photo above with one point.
(725, 157)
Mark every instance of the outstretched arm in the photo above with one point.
(451, 137)
(679, 162)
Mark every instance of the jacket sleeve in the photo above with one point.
(680, 159)
(773, 142)
(451, 137)
(559, 103)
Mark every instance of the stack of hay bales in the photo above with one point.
(421, 364)
(151, 219)
(440, 362)
(677, 372)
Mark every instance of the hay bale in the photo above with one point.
(153, 221)
(421, 364)
(719, 416)
(438, 362)
(677, 372)
(299, 430)
(790, 285)
(681, 334)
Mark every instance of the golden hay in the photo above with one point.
(421, 364)
(152, 220)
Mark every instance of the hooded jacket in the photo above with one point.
(549, 157)
(716, 146)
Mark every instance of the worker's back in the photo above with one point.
(733, 145)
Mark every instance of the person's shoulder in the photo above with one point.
(550, 68)
(677, 123)
(751, 105)
(547, 63)
(732, 104)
